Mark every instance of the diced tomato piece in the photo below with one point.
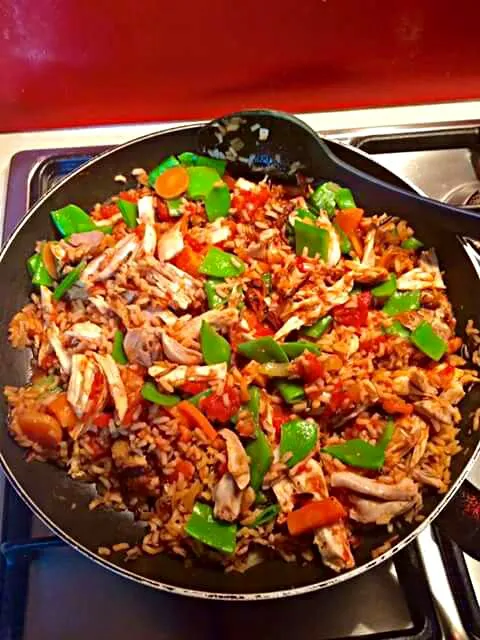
(188, 260)
(349, 219)
(184, 467)
(102, 420)
(108, 210)
(161, 210)
(311, 367)
(373, 343)
(221, 406)
(256, 326)
(195, 244)
(98, 449)
(338, 399)
(397, 405)
(355, 312)
(193, 388)
(129, 196)
(279, 417)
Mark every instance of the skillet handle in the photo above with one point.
(460, 520)
(417, 209)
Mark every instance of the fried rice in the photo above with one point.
(143, 317)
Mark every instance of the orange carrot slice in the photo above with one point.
(172, 182)
(196, 418)
(315, 514)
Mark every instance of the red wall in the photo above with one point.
(76, 62)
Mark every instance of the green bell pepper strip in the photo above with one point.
(323, 198)
(215, 348)
(319, 328)
(291, 392)
(345, 244)
(168, 163)
(217, 202)
(316, 240)
(402, 302)
(195, 400)
(261, 457)
(298, 437)
(263, 350)
(295, 349)
(201, 181)
(190, 159)
(267, 281)
(305, 213)
(68, 281)
(412, 244)
(38, 271)
(267, 515)
(344, 199)
(359, 453)
(220, 264)
(387, 288)
(202, 526)
(118, 353)
(72, 219)
(213, 299)
(129, 211)
(173, 207)
(152, 394)
(428, 341)
(397, 329)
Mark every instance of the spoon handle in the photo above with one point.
(373, 193)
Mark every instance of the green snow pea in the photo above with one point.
(201, 181)
(72, 219)
(263, 350)
(425, 338)
(214, 300)
(291, 392)
(129, 211)
(298, 437)
(199, 396)
(118, 353)
(387, 288)
(319, 328)
(152, 394)
(217, 201)
(215, 348)
(323, 198)
(344, 199)
(173, 207)
(189, 159)
(220, 264)
(345, 244)
(316, 240)
(412, 244)
(202, 526)
(397, 329)
(305, 213)
(359, 453)
(267, 515)
(68, 281)
(37, 269)
(402, 302)
(295, 349)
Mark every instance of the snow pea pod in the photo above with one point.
(402, 302)
(323, 198)
(152, 394)
(217, 201)
(72, 219)
(295, 349)
(344, 199)
(316, 240)
(263, 350)
(38, 271)
(220, 264)
(319, 328)
(202, 526)
(68, 281)
(129, 211)
(387, 288)
(259, 451)
(412, 244)
(190, 159)
(118, 353)
(215, 348)
(267, 515)
(201, 181)
(358, 453)
(425, 338)
(291, 392)
(298, 437)
(213, 299)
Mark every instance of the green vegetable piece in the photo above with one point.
(261, 457)
(152, 394)
(412, 244)
(267, 281)
(316, 240)
(201, 181)
(263, 350)
(298, 437)
(291, 392)
(38, 271)
(118, 353)
(220, 264)
(345, 244)
(129, 211)
(168, 163)
(214, 300)
(253, 406)
(72, 219)
(202, 526)
(260, 498)
(195, 400)
(305, 213)
(357, 453)
(267, 515)
(397, 329)
(344, 199)
(189, 159)
(295, 349)
(387, 288)
(323, 198)
(387, 435)
(215, 348)
(402, 302)
(217, 202)
(319, 328)
(427, 340)
(173, 207)
(68, 281)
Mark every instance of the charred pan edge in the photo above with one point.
(211, 595)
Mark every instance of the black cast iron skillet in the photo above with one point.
(63, 503)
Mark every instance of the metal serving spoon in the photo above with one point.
(278, 144)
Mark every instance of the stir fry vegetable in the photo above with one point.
(258, 451)
(168, 163)
(215, 348)
(319, 328)
(323, 198)
(220, 264)
(412, 244)
(295, 349)
(359, 453)
(214, 300)
(190, 159)
(315, 514)
(68, 281)
(172, 182)
(72, 219)
(299, 438)
(397, 329)
(118, 354)
(344, 198)
(201, 181)
(129, 211)
(263, 350)
(314, 239)
(38, 271)
(387, 288)
(291, 392)
(267, 515)
(217, 201)
(152, 394)
(401, 302)
(427, 340)
(202, 526)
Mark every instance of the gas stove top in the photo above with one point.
(47, 590)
